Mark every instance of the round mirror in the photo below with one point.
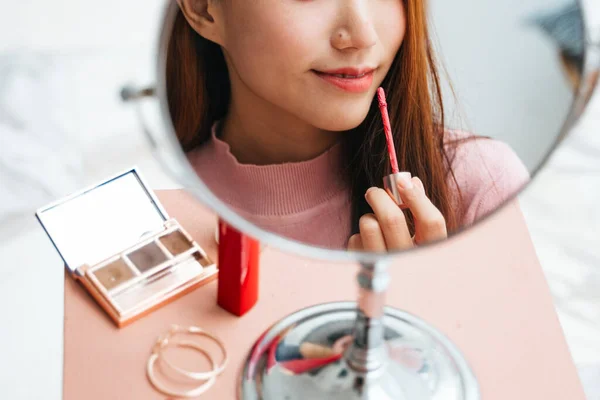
(276, 123)
(377, 127)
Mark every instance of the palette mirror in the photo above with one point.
(323, 126)
(133, 213)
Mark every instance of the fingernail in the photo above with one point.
(404, 182)
(370, 190)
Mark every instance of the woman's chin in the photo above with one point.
(345, 121)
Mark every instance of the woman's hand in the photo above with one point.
(387, 230)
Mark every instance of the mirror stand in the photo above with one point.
(361, 350)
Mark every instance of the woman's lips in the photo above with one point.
(353, 81)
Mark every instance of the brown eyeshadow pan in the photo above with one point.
(176, 242)
(147, 257)
(113, 274)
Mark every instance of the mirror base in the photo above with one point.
(301, 357)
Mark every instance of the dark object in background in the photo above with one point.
(565, 27)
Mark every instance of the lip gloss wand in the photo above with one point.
(390, 182)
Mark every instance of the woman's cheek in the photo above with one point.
(391, 28)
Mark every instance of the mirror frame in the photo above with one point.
(170, 154)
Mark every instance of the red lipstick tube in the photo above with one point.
(239, 254)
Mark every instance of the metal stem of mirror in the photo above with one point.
(367, 353)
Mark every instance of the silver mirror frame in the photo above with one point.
(169, 153)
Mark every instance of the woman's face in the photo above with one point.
(318, 60)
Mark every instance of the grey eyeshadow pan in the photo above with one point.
(147, 257)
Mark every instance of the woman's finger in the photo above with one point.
(430, 224)
(391, 219)
(355, 243)
(371, 234)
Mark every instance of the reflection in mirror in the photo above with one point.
(275, 105)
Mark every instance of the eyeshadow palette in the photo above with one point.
(118, 241)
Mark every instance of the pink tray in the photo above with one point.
(491, 299)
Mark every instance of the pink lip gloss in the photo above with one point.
(388, 130)
(390, 182)
(357, 84)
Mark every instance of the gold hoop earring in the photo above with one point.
(197, 391)
(217, 369)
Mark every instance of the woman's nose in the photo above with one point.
(355, 29)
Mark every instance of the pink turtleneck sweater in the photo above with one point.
(307, 201)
